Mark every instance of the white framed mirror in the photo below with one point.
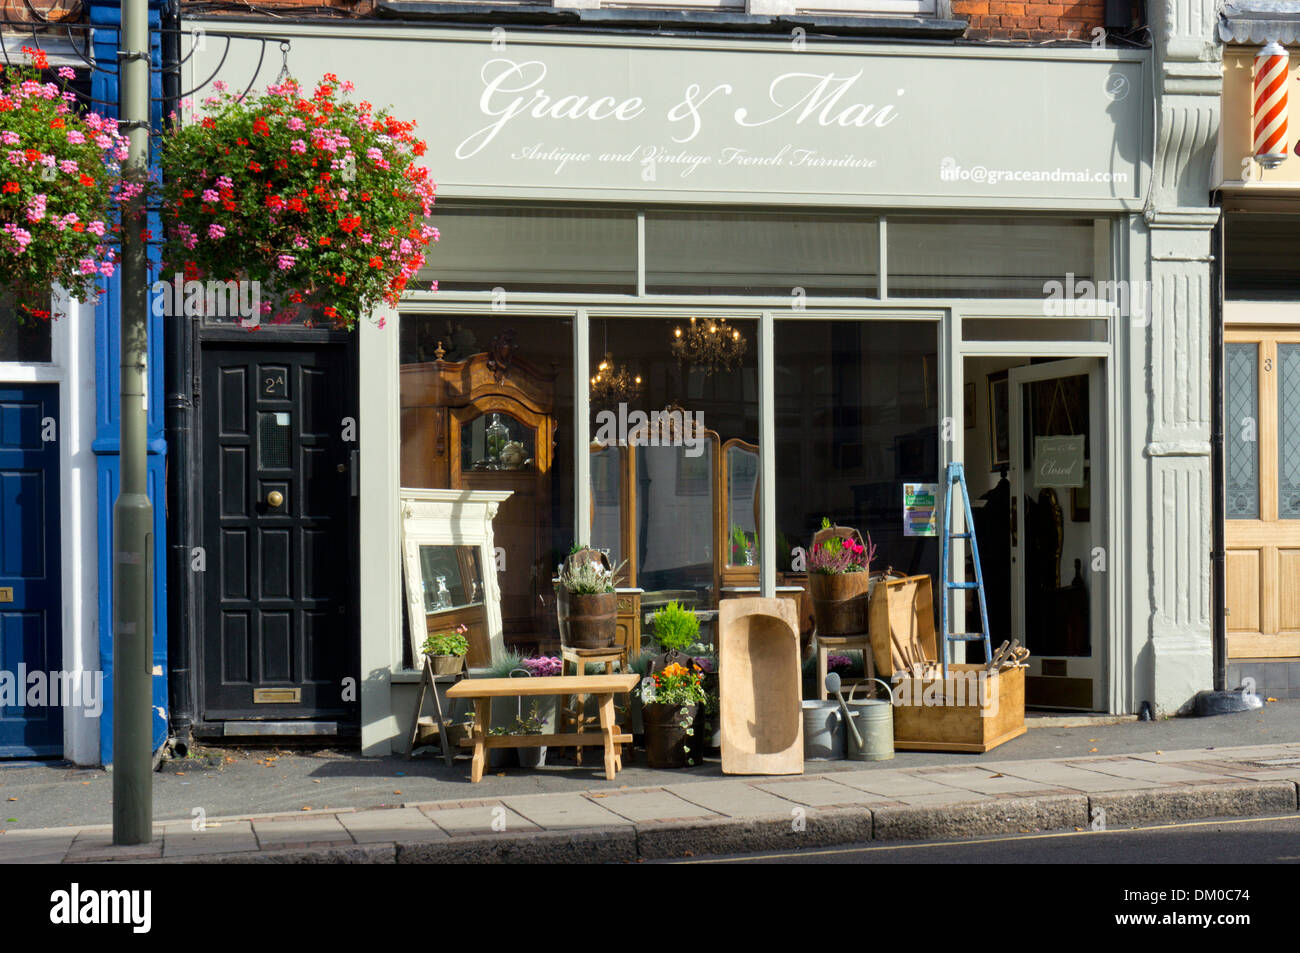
(449, 563)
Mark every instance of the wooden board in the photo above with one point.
(957, 714)
(760, 686)
(903, 606)
(549, 685)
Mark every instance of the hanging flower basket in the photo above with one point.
(59, 169)
(320, 200)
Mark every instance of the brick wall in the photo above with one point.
(1043, 20)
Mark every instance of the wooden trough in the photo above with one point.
(760, 686)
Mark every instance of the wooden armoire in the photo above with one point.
(486, 423)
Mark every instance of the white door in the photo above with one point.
(1058, 586)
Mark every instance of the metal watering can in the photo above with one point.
(874, 720)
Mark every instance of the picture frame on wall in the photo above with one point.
(999, 425)
(968, 405)
(1081, 499)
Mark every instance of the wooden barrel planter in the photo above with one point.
(840, 600)
(666, 740)
(587, 621)
(592, 621)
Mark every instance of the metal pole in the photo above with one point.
(132, 513)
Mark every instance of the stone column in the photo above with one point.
(1188, 82)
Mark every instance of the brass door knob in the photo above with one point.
(274, 499)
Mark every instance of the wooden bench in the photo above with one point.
(602, 687)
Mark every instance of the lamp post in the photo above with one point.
(133, 541)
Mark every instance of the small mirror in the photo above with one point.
(741, 502)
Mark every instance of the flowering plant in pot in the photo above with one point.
(670, 699)
(447, 650)
(59, 184)
(318, 199)
(591, 604)
(534, 723)
(839, 579)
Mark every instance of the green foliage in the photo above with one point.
(447, 643)
(589, 577)
(503, 663)
(675, 627)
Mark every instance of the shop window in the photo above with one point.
(1261, 257)
(664, 415)
(531, 249)
(1034, 329)
(970, 257)
(857, 416)
(742, 253)
(487, 404)
(22, 338)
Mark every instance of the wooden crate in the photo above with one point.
(956, 714)
(905, 606)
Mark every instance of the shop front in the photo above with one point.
(1259, 183)
(696, 295)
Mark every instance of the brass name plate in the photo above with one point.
(6, 593)
(277, 696)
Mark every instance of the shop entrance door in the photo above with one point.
(1057, 592)
(1262, 491)
(279, 631)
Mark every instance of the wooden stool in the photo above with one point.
(826, 644)
(579, 658)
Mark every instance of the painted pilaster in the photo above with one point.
(1177, 341)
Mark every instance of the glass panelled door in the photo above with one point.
(1262, 492)
(1057, 595)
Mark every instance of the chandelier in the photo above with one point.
(614, 385)
(709, 344)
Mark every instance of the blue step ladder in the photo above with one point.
(957, 474)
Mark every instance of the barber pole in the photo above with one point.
(1270, 105)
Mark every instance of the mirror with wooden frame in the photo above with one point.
(738, 541)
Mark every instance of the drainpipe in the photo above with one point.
(1218, 575)
(181, 602)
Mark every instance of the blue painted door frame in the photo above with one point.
(105, 17)
(31, 625)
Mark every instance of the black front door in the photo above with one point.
(279, 636)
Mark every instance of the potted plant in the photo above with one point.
(591, 620)
(708, 727)
(532, 724)
(742, 547)
(670, 700)
(447, 650)
(675, 629)
(838, 579)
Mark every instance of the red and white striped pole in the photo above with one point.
(1270, 105)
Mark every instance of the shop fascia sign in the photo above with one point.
(558, 116)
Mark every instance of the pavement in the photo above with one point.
(313, 806)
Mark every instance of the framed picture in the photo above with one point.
(968, 405)
(999, 426)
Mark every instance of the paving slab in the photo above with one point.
(181, 840)
(390, 825)
(36, 846)
(487, 818)
(951, 796)
(821, 792)
(1056, 774)
(1155, 774)
(314, 830)
(891, 784)
(90, 846)
(733, 798)
(653, 806)
(981, 781)
(559, 812)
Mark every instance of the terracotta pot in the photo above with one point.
(666, 740)
(592, 621)
(447, 664)
(840, 602)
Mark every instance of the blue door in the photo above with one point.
(30, 624)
